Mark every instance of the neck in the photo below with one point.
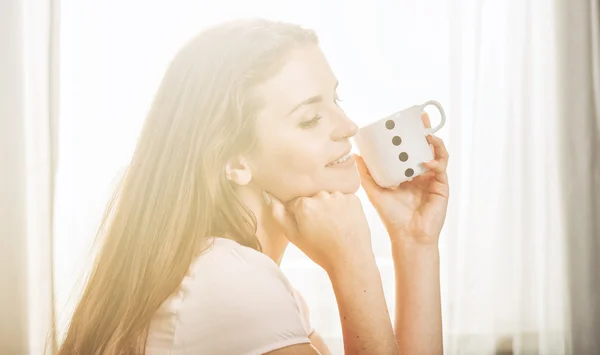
(269, 233)
(272, 240)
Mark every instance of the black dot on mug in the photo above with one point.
(396, 140)
(403, 156)
(390, 124)
(409, 172)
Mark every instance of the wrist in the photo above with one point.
(416, 263)
(406, 247)
(403, 240)
(352, 265)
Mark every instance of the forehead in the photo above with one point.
(305, 73)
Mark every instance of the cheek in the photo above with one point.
(289, 167)
(300, 159)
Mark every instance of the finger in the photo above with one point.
(426, 175)
(362, 169)
(281, 215)
(277, 208)
(321, 194)
(365, 176)
(439, 170)
(296, 206)
(337, 194)
(439, 184)
(441, 153)
(427, 123)
(426, 120)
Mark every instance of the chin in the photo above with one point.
(349, 185)
(346, 184)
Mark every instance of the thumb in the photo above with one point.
(369, 185)
(281, 215)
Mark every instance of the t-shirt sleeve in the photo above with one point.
(304, 312)
(240, 305)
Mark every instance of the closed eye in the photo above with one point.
(311, 123)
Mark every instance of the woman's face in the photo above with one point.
(303, 135)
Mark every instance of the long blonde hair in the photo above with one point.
(174, 194)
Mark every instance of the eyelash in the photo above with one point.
(313, 122)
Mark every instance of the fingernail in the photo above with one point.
(266, 198)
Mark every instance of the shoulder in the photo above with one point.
(236, 300)
(229, 266)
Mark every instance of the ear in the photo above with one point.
(238, 171)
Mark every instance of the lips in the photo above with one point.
(340, 160)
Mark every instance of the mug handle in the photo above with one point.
(442, 115)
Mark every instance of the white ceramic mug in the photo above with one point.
(394, 147)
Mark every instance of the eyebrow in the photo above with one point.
(311, 100)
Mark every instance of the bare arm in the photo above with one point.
(413, 214)
(332, 230)
(319, 343)
(418, 322)
(365, 319)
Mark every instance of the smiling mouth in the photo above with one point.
(340, 160)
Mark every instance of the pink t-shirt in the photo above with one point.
(234, 300)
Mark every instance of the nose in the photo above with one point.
(344, 128)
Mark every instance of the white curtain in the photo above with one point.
(580, 110)
(505, 256)
(491, 63)
(28, 113)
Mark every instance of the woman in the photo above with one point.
(244, 150)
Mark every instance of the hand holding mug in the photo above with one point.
(403, 177)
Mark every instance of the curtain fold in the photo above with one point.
(13, 247)
(29, 112)
(579, 110)
(506, 264)
(595, 49)
(41, 109)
